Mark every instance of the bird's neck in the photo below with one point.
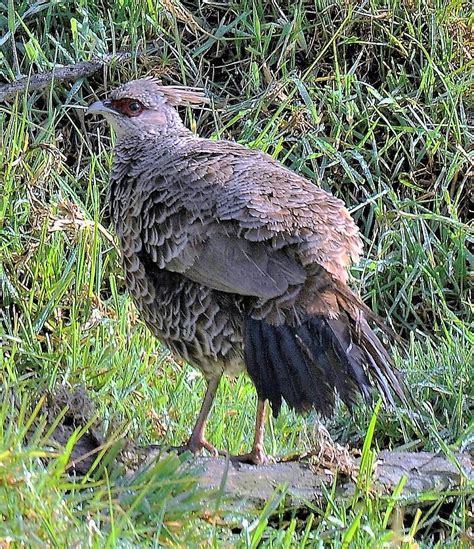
(138, 147)
(163, 135)
(135, 153)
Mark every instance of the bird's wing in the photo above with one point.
(274, 204)
(227, 262)
(236, 221)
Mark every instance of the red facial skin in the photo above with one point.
(129, 107)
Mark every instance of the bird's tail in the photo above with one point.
(305, 363)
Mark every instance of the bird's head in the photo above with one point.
(144, 106)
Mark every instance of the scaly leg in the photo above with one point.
(257, 455)
(197, 440)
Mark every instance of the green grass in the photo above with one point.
(373, 101)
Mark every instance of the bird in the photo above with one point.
(238, 264)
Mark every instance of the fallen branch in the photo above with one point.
(250, 486)
(60, 73)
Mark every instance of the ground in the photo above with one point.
(371, 100)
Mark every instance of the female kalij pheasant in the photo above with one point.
(236, 263)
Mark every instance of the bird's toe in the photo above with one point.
(256, 457)
(197, 445)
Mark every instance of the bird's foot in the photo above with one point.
(256, 457)
(195, 445)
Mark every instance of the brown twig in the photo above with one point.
(62, 73)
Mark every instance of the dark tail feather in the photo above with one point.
(304, 365)
(258, 362)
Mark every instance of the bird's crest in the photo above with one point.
(181, 95)
(149, 87)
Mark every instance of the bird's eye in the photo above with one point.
(134, 106)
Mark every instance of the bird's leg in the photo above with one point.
(257, 455)
(197, 439)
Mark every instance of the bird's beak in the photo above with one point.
(101, 107)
